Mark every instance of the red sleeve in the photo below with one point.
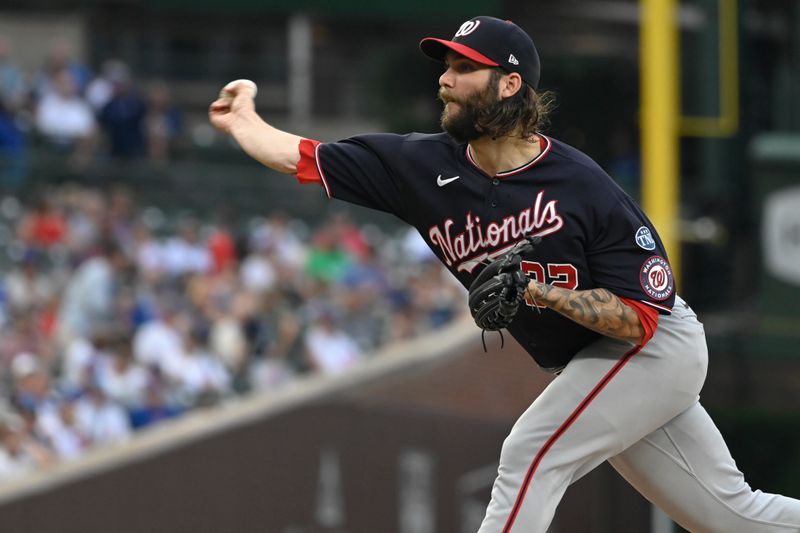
(307, 169)
(648, 316)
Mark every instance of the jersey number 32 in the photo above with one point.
(562, 275)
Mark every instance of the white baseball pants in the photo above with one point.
(639, 410)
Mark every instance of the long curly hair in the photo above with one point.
(521, 115)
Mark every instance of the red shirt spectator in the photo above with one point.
(223, 250)
(43, 226)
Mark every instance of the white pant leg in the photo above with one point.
(594, 410)
(602, 403)
(685, 469)
(540, 457)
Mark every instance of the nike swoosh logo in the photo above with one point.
(442, 182)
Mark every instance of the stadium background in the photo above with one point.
(395, 452)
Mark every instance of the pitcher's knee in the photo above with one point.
(749, 511)
(518, 453)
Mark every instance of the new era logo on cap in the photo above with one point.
(492, 42)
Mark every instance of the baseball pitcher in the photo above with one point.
(554, 252)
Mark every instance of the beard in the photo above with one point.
(464, 125)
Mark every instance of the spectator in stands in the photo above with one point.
(221, 245)
(65, 120)
(156, 407)
(404, 324)
(257, 272)
(163, 123)
(277, 234)
(204, 379)
(28, 286)
(435, 297)
(347, 234)
(227, 337)
(12, 137)
(360, 299)
(86, 214)
(48, 416)
(119, 218)
(23, 334)
(88, 301)
(184, 252)
(158, 344)
(79, 361)
(280, 362)
(61, 58)
(277, 342)
(100, 90)
(327, 260)
(13, 145)
(123, 118)
(43, 225)
(12, 81)
(147, 252)
(330, 350)
(122, 378)
(19, 452)
(367, 273)
(100, 420)
(414, 248)
(60, 427)
(31, 383)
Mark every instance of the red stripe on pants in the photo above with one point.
(560, 431)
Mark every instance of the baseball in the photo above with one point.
(228, 90)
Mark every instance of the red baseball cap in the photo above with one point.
(493, 42)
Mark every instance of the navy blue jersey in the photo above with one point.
(593, 234)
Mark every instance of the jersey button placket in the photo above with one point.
(493, 192)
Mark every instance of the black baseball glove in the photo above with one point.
(497, 292)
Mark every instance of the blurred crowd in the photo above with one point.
(114, 316)
(79, 114)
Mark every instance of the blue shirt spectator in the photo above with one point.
(12, 150)
(123, 120)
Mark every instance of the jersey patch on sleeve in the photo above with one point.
(656, 278)
(645, 239)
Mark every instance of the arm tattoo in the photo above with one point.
(595, 309)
